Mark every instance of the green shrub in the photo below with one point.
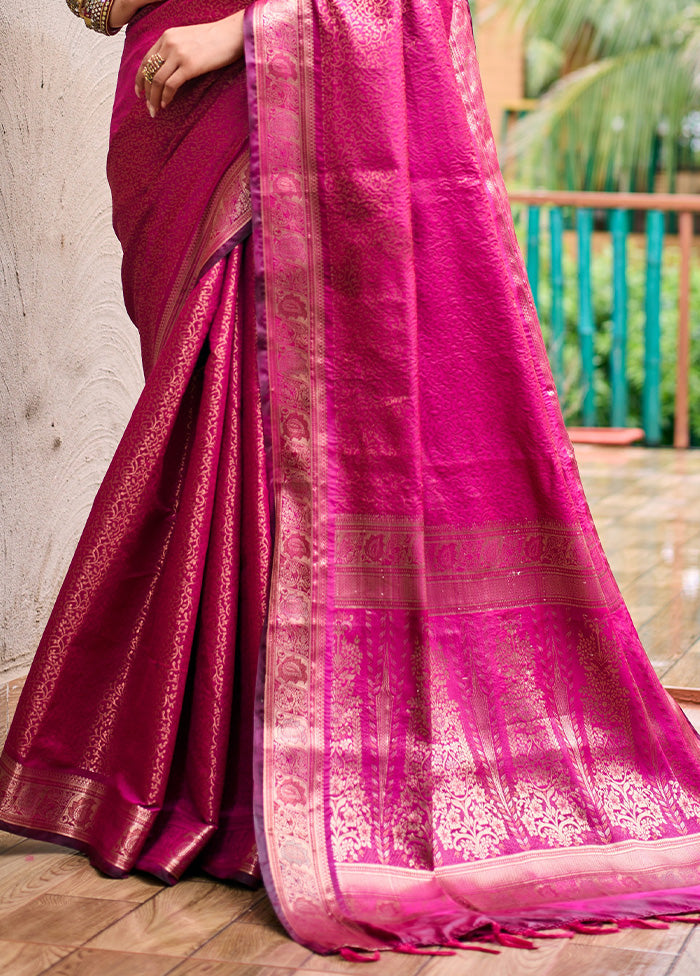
(571, 395)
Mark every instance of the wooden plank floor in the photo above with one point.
(61, 917)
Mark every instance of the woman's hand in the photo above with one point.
(123, 10)
(188, 52)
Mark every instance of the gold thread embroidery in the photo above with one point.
(380, 562)
(293, 766)
(228, 213)
(70, 805)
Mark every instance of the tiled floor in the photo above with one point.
(646, 505)
(58, 916)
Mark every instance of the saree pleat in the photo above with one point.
(134, 730)
(131, 729)
(208, 802)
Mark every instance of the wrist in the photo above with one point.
(233, 25)
(121, 13)
(95, 14)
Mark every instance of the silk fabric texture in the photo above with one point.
(348, 472)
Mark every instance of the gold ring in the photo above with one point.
(152, 67)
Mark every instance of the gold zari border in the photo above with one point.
(389, 562)
(228, 214)
(70, 805)
(525, 880)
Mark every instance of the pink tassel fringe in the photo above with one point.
(355, 955)
(588, 928)
(522, 940)
(412, 950)
(456, 944)
(640, 923)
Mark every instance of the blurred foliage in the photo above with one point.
(602, 286)
(616, 79)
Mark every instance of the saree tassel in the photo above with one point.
(688, 919)
(512, 941)
(358, 955)
(641, 923)
(537, 934)
(509, 939)
(412, 950)
(587, 928)
(456, 944)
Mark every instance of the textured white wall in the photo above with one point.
(69, 355)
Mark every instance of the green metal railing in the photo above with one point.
(619, 207)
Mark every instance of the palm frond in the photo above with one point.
(616, 26)
(597, 126)
(638, 74)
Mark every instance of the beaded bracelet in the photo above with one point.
(94, 13)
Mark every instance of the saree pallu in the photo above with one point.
(348, 472)
(458, 730)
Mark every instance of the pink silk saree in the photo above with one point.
(348, 474)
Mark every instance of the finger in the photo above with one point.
(160, 79)
(140, 82)
(171, 85)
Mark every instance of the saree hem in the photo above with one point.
(663, 907)
(55, 803)
(94, 856)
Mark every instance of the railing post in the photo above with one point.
(681, 433)
(556, 352)
(618, 358)
(533, 252)
(683, 205)
(651, 399)
(584, 219)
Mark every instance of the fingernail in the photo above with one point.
(152, 111)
